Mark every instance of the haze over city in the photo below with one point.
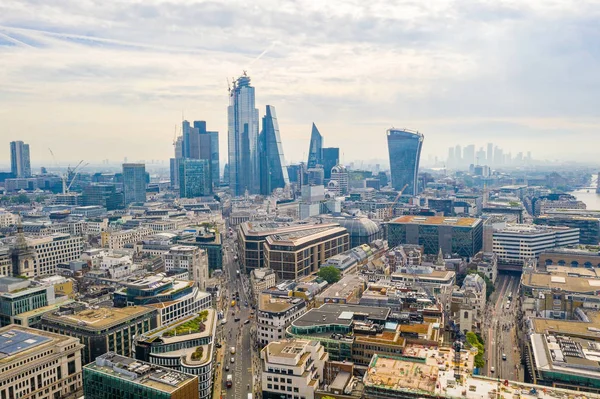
(95, 80)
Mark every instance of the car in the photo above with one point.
(236, 319)
(246, 321)
(245, 303)
(218, 345)
(227, 368)
(233, 360)
(504, 356)
(492, 369)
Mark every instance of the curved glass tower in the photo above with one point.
(315, 149)
(404, 147)
(242, 140)
(273, 172)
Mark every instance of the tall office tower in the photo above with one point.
(208, 148)
(451, 156)
(480, 157)
(242, 138)
(273, 171)
(194, 178)
(469, 155)
(185, 133)
(490, 154)
(331, 157)
(134, 183)
(174, 162)
(458, 155)
(498, 156)
(315, 149)
(404, 147)
(20, 165)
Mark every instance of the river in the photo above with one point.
(589, 196)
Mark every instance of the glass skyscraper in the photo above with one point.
(20, 164)
(134, 183)
(207, 148)
(331, 157)
(273, 171)
(194, 178)
(315, 149)
(404, 147)
(242, 132)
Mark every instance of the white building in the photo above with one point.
(7, 218)
(93, 257)
(118, 239)
(191, 258)
(52, 250)
(39, 365)
(338, 184)
(275, 314)
(261, 279)
(95, 226)
(292, 368)
(516, 243)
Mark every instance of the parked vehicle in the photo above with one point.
(229, 381)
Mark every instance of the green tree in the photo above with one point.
(330, 274)
(20, 199)
(474, 341)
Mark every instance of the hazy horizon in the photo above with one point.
(96, 80)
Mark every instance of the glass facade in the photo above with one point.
(194, 178)
(242, 138)
(134, 183)
(20, 165)
(331, 157)
(315, 149)
(273, 172)
(404, 148)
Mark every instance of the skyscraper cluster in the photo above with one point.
(463, 157)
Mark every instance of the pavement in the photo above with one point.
(500, 330)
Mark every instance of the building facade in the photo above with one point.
(331, 157)
(191, 258)
(134, 183)
(38, 364)
(194, 178)
(275, 315)
(315, 149)
(20, 163)
(242, 131)
(338, 180)
(273, 170)
(404, 148)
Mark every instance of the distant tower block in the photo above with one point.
(598, 184)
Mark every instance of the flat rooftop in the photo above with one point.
(575, 327)
(396, 374)
(437, 221)
(142, 373)
(301, 236)
(269, 303)
(563, 281)
(98, 319)
(17, 341)
(334, 313)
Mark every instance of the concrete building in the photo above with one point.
(462, 236)
(260, 280)
(38, 364)
(292, 368)
(587, 221)
(20, 162)
(6, 268)
(338, 182)
(173, 299)
(33, 257)
(100, 329)
(186, 345)
(191, 258)
(114, 376)
(7, 218)
(275, 314)
(118, 239)
(348, 289)
(516, 243)
(577, 256)
(486, 263)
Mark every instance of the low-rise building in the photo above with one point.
(261, 279)
(292, 368)
(118, 239)
(275, 314)
(186, 345)
(347, 290)
(114, 376)
(38, 364)
(487, 264)
(100, 329)
(576, 257)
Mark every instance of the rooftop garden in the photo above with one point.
(197, 355)
(192, 326)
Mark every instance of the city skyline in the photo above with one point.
(145, 75)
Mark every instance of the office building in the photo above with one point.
(204, 144)
(194, 178)
(118, 239)
(113, 376)
(273, 170)
(331, 157)
(190, 258)
(404, 148)
(260, 280)
(275, 315)
(173, 299)
(315, 149)
(338, 180)
(208, 240)
(516, 243)
(37, 364)
(242, 138)
(7, 218)
(587, 221)
(186, 345)
(587, 257)
(20, 164)
(292, 368)
(134, 183)
(292, 255)
(104, 195)
(100, 329)
(462, 236)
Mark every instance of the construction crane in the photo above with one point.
(390, 208)
(65, 176)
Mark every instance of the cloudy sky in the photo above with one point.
(110, 79)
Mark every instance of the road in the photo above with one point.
(500, 330)
(237, 334)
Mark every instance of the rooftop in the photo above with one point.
(302, 236)
(437, 220)
(98, 318)
(268, 303)
(562, 281)
(17, 341)
(142, 373)
(330, 313)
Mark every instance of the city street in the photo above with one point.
(499, 330)
(237, 334)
